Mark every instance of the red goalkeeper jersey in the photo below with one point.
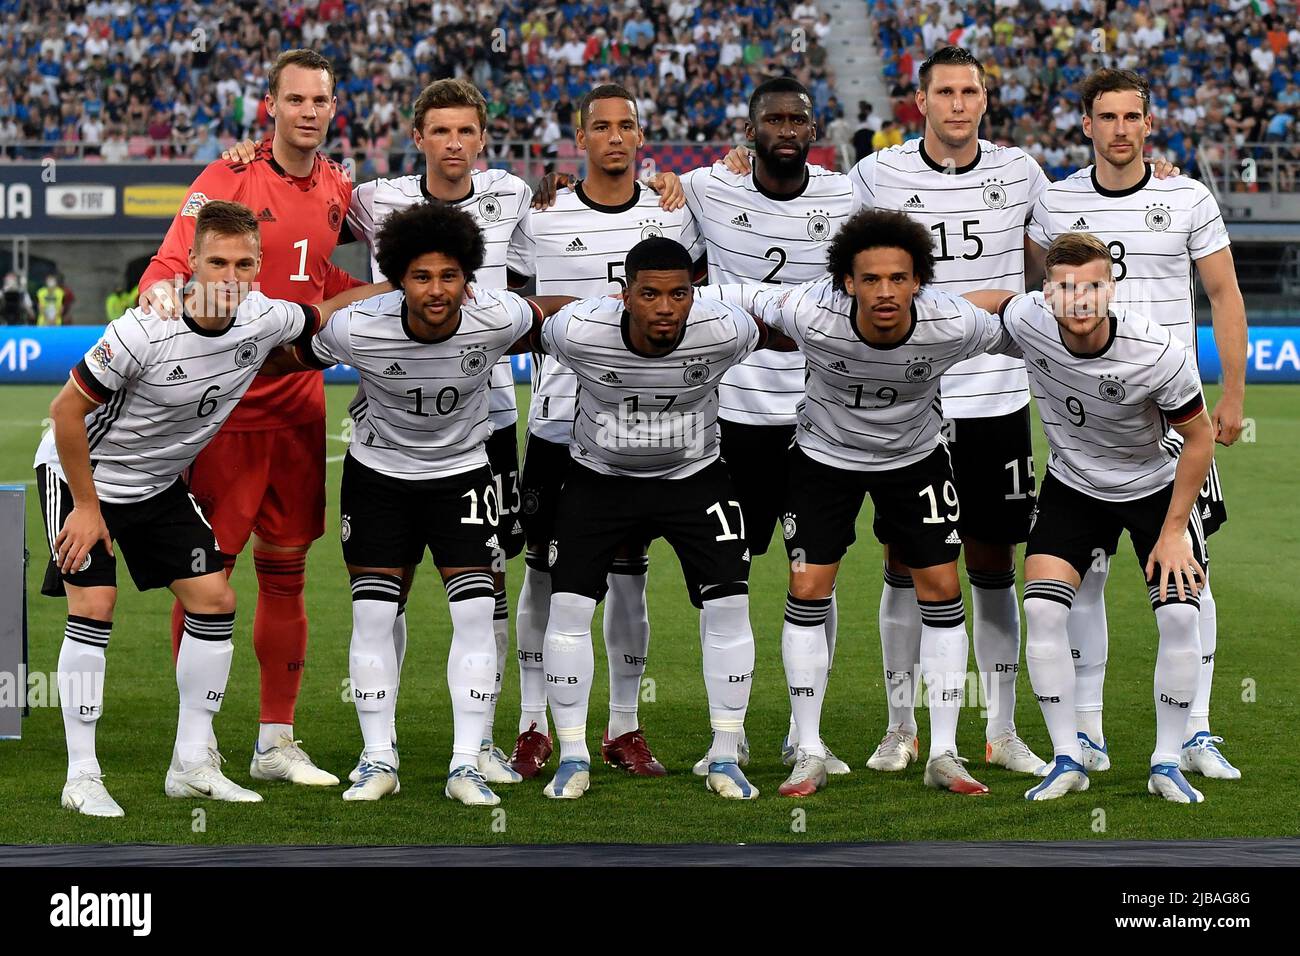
(300, 220)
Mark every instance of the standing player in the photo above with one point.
(1155, 230)
(264, 475)
(768, 225)
(143, 402)
(975, 198)
(417, 475)
(876, 340)
(578, 247)
(645, 465)
(1109, 384)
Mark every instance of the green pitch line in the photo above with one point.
(1255, 705)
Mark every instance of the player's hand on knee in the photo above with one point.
(241, 152)
(669, 187)
(163, 299)
(83, 528)
(1173, 556)
(737, 160)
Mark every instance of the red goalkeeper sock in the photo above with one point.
(280, 631)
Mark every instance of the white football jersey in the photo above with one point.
(577, 247)
(647, 416)
(753, 236)
(1154, 230)
(165, 388)
(421, 410)
(868, 407)
(977, 215)
(497, 199)
(1106, 415)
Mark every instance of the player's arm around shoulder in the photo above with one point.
(543, 307)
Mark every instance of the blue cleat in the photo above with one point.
(1167, 781)
(1095, 756)
(1201, 756)
(571, 780)
(728, 781)
(1064, 776)
(467, 785)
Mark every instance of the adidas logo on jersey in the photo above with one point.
(394, 369)
(914, 203)
(742, 220)
(177, 375)
(952, 537)
(1042, 363)
(609, 378)
(1080, 223)
(265, 215)
(575, 246)
(839, 367)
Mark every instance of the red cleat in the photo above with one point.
(532, 750)
(630, 752)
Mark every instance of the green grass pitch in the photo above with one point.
(1255, 704)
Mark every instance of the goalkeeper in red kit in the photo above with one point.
(263, 475)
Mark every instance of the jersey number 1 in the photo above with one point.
(301, 274)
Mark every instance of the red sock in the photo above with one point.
(280, 631)
(178, 613)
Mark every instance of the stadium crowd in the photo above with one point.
(1221, 70)
(182, 79)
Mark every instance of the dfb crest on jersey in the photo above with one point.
(246, 353)
(995, 197)
(787, 526)
(819, 227)
(651, 229)
(334, 216)
(917, 371)
(1158, 219)
(1111, 391)
(489, 207)
(697, 373)
(474, 362)
(345, 528)
(529, 503)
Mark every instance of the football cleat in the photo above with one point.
(1167, 781)
(726, 780)
(207, 781)
(808, 776)
(1095, 758)
(494, 767)
(945, 772)
(834, 765)
(355, 775)
(630, 752)
(570, 781)
(1013, 753)
(377, 780)
(1199, 755)
(87, 794)
(1065, 776)
(894, 752)
(468, 786)
(701, 768)
(532, 750)
(288, 761)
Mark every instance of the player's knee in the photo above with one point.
(218, 597)
(807, 586)
(94, 603)
(280, 574)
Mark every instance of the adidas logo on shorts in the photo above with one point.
(952, 538)
(492, 543)
(517, 529)
(742, 220)
(575, 246)
(177, 375)
(394, 369)
(609, 378)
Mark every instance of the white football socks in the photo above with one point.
(1177, 662)
(627, 641)
(570, 665)
(832, 629)
(372, 661)
(805, 655)
(995, 634)
(202, 670)
(1089, 640)
(81, 688)
(530, 635)
(399, 648)
(1051, 671)
(471, 662)
(501, 634)
(900, 648)
(728, 656)
(1209, 630)
(268, 735)
(945, 649)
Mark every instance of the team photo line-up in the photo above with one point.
(758, 344)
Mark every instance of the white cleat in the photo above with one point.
(701, 768)
(808, 776)
(87, 794)
(495, 766)
(947, 772)
(1096, 757)
(834, 765)
(377, 781)
(727, 781)
(468, 786)
(288, 761)
(1167, 781)
(1013, 753)
(355, 774)
(1200, 755)
(206, 781)
(1065, 776)
(571, 780)
(895, 752)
